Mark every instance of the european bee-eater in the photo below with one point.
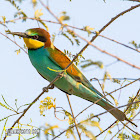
(49, 61)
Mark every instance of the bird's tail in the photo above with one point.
(118, 114)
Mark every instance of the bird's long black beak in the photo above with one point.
(24, 35)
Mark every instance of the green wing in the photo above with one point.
(62, 60)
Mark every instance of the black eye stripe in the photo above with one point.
(40, 38)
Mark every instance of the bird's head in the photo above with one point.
(35, 38)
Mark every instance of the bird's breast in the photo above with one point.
(40, 60)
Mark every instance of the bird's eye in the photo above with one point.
(35, 37)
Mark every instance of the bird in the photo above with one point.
(49, 61)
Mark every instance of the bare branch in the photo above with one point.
(73, 116)
(97, 116)
(89, 43)
(38, 19)
(133, 100)
(95, 103)
(93, 79)
(45, 90)
(13, 42)
(124, 86)
(97, 34)
(116, 120)
(124, 126)
(120, 43)
(134, 0)
(107, 94)
(106, 129)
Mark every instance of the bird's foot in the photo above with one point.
(45, 89)
(51, 86)
(61, 75)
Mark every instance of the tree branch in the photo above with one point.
(116, 120)
(73, 117)
(97, 34)
(124, 126)
(89, 43)
(107, 95)
(13, 42)
(93, 79)
(97, 116)
(82, 29)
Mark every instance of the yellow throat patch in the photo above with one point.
(33, 44)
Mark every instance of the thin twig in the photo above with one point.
(120, 43)
(106, 129)
(94, 37)
(97, 34)
(82, 29)
(73, 116)
(93, 79)
(135, 0)
(116, 120)
(100, 113)
(46, 89)
(130, 128)
(124, 86)
(13, 42)
(108, 94)
(113, 109)
(59, 75)
(99, 100)
(100, 86)
(133, 100)
(96, 116)
(84, 110)
(124, 126)
(51, 83)
(59, 112)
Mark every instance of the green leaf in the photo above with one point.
(135, 44)
(4, 19)
(135, 137)
(74, 36)
(88, 133)
(17, 51)
(53, 37)
(64, 16)
(3, 128)
(91, 123)
(132, 108)
(116, 81)
(89, 62)
(20, 12)
(34, 2)
(123, 136)
(106, 75)
(38, 13)
(43, 24)
(88, 29)
(14, 4)
(1, 104)
(8, 106)
(70, 132)
(65, 35)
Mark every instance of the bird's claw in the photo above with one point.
(61, 75)
(51, 86)
(45, 89)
